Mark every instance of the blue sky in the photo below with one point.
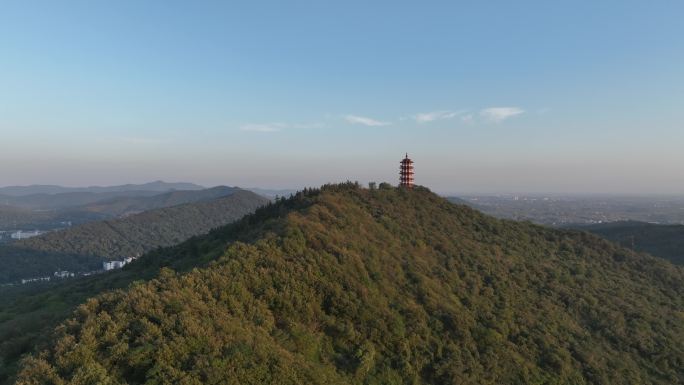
(486, 96)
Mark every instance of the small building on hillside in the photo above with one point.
(21, 234)
(64, 274)
(111, 265)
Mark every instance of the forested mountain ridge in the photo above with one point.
(50, 211)
(127, 205)
(156, 186)
(347, 285)
(100, 201)
(85, 247)
(67, 200)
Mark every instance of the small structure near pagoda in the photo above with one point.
(406, 172)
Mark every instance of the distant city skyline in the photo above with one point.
(495, 97)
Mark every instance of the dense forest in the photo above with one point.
(356, 286)
(665, 241)
(84, 247)
(29, 313)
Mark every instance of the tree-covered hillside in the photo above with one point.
(355, 286)
(29, 313)
(84, 247)
(665, 241)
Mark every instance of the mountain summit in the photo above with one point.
(383, 286)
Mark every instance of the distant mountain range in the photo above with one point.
(67, 200)
(126, 205)
(56, 197)
(50, 197)
(84, 247)
(50, 211)
(157, 186)
(272, 193)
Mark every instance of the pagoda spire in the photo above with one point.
(406, 172)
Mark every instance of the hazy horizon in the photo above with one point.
(464, 193)
(531, 97)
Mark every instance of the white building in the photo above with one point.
(25, 234)
(29, 280)
(63, 274)
(111, 265)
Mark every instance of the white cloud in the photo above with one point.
(354, 119)
(492, 114)
(499, 114)
(427, 117)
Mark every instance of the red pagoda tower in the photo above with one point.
(406, 172)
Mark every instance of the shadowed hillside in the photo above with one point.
(347, 285)
(665, 241)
